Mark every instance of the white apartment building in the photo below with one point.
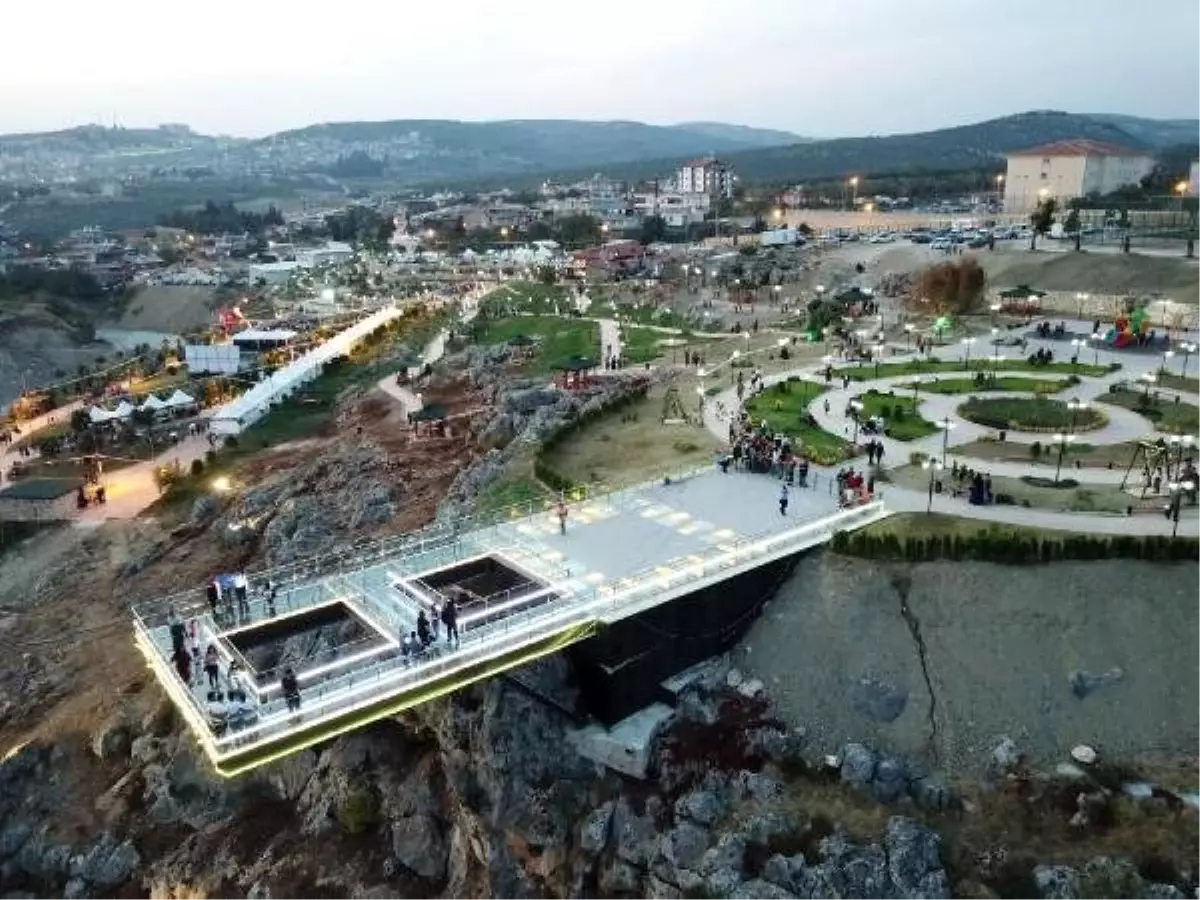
(1193, 188)
(1065, 170)
(705, 176)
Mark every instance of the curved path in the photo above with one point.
(1123, 426)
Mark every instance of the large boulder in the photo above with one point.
(858, 765)
(419, 845)
(595, 830)
(914, 863)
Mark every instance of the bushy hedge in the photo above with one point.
(546, 473)
(1003, 546)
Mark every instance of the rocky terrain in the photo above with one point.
(103, 792)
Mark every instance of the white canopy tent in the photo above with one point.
(98, 415)
(179, 400)
(153, 403)
(240, 414)
(124, 410)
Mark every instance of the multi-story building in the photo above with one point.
(1193, 188)
(1065, 170)
(705, 176)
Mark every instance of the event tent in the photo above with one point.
(153, 403)
(179, 400)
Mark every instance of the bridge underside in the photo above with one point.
(523, 591)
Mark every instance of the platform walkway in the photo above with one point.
(622, 553)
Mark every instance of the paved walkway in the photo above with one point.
(132, 489)
(610, 339)
(1124, 425)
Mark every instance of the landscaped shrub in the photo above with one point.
(1000, 545)
(197, 466)
(1035, 449)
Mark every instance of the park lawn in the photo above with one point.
(866, 371)
(1090, 455)
(1013, 383)
(643, 345)
(1084, 498)
(784, 414)
(905, 425)
(1168, 416)
(1032, 413)
(160, 381)
(528, 297)
(559, 338)
(1178, 382)
(631, 445)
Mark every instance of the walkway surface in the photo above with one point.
(1124, 425)
(621, 554)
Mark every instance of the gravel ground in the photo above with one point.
(1001, 647)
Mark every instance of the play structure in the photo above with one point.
(1128, 330)
(1155, 464)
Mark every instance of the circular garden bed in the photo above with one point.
(1030, 414)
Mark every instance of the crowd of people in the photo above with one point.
(423, 642)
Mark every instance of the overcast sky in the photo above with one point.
(814, 67)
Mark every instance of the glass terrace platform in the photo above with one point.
(523, 590)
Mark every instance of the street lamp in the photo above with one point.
(222, 484)
(946, 425)
(1187, 350)
(1177, 489)
(909, 328)
(1077, 344)
(877, 354)
(995, 308)
(1062, 440)
(1096, 348)
(1166, 359)
(996, 349)
(1147, 378)
(967, 342)
(916, 388)
(855, 409)
(854, 188)
(933, 466)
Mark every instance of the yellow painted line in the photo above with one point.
(238, 764)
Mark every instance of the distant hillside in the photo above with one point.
(412, 148)
(1154, 132)
(750, 137)
(978, 146)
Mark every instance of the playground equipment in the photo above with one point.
(1128, 330)
(673, 412)
(1155, 460)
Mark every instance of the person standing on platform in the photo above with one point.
(783, 499)
(562, 517)
(450, 620)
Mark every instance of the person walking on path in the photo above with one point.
(783, 499)
(562, 517)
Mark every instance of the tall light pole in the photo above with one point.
(995, 308)
(1166, 360)
(916, 390)
(1096, 348)
(967, 342)
(1077, 344)
(855, 413)
(932, 466)
(946, 425)
(909, 328)
(1147, 378)
(854, 189)
(1187, 350)
(1062, 440)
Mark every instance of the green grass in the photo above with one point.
(902, 422)
(1013, 383)
(1178, 382)
(509, 492)
(558, 337)
(1029, 414)
(1168, 416)
(784, 411)
(1092, 455)
(919, 526)
(527, 297)
(1082, 498)
(866, 372)
(642, 345)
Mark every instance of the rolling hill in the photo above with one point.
(977, 146)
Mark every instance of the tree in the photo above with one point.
(1072, 226)
(654, 229)
(579, 230)
(1042, 219)
(80, 420)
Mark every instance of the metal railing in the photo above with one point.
(610, 602)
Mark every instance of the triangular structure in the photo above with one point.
(123, 411)
(153, 403)
(179, 399)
